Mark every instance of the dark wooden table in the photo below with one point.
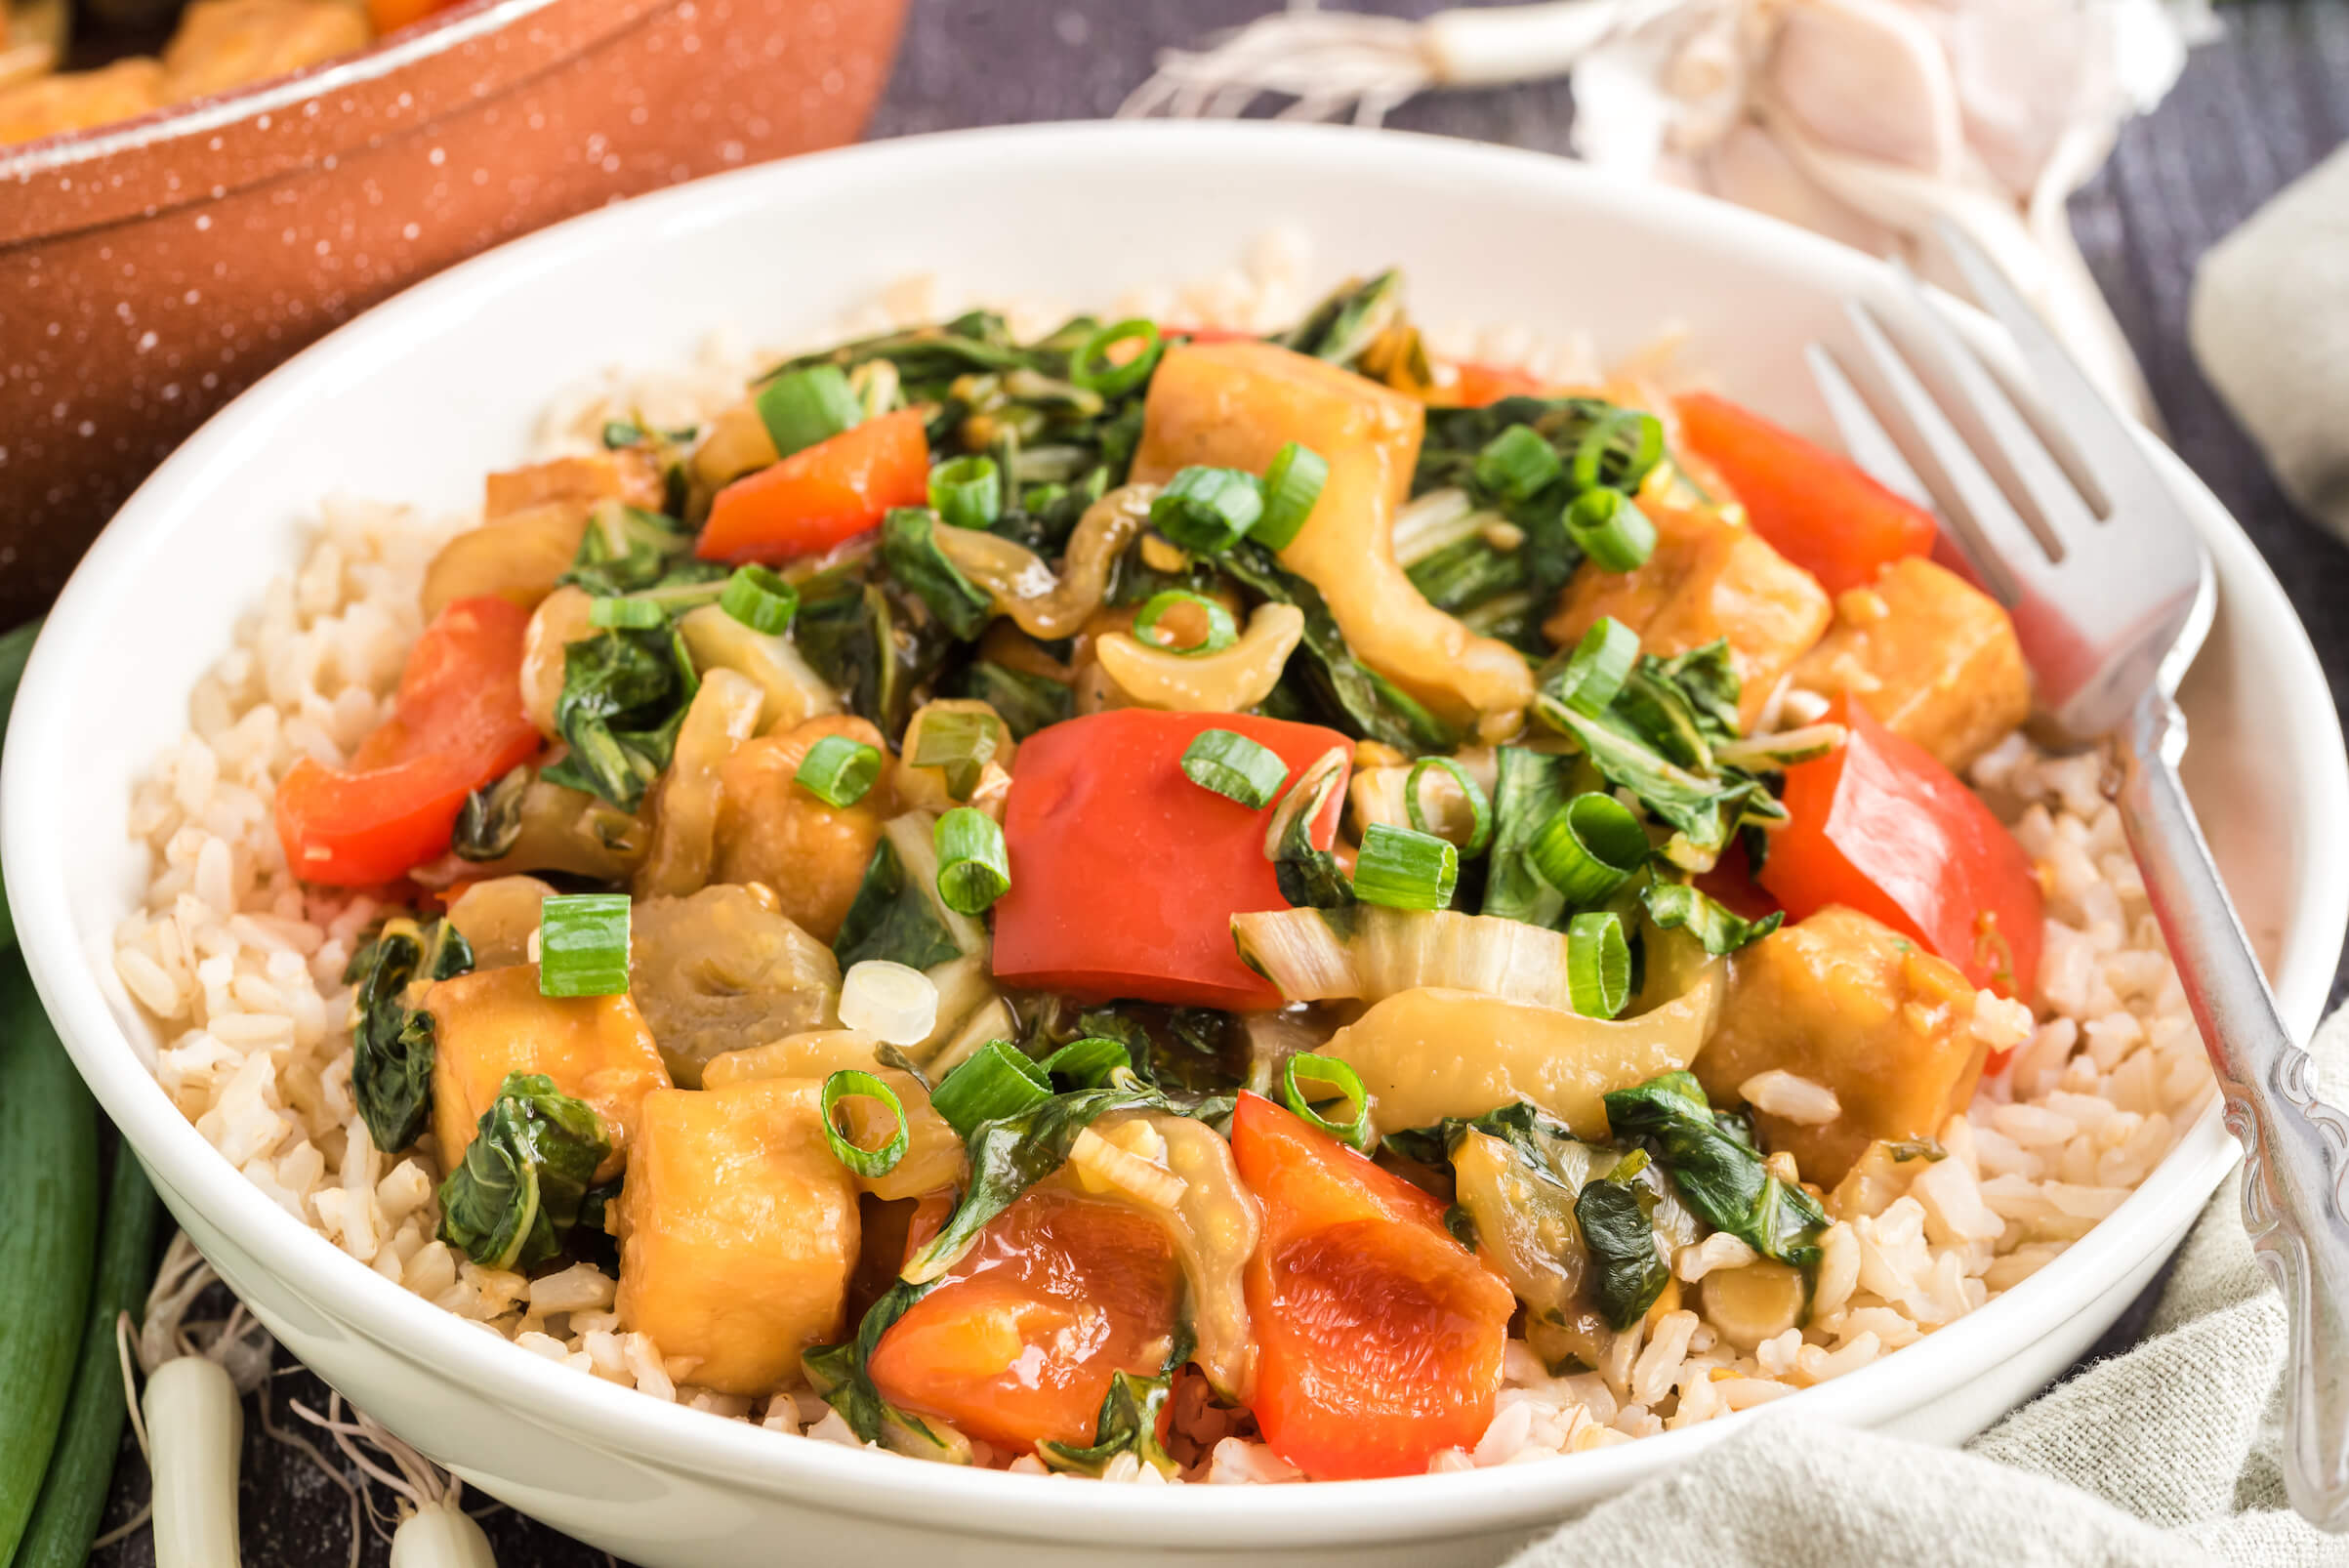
(2255, 110)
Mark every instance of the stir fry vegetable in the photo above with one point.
(1077, 895)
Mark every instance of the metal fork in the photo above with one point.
(2112, 593)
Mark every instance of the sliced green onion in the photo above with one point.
(960, 744)
(1595, 672)
(1292, 485)
(760, 600)
(806, 407)
(1480, 811)
(1235, 768)
(1355, 1132)
(973, 871)
(1516, 463)
(1598, 964)
(582, 944)
(1605, 439)
(967, 492)
(629, 614)
(619, 432)
(864, 1162)
(1403, 868)
(996, 1081)
(1089, 1063)
(1222, 632)
(1611, 530)
(1208, 511)
(1090, 365)
(838, 770)
(1588, 846)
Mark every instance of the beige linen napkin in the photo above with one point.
(2270, 325)
(2164, 1454)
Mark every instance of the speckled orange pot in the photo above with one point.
(151, 270)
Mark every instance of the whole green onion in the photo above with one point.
(1090, 365)
(1291, 484)
(1611, 530)
(1208, 511)
(582, 944)
(1405, 869)
(864, 1162)
(1635, 439)
(1598, 964)
(1588, 847)
(1355, 1132)
(1222, 632)
(838, 770)
(996, 1081)
(1480, 811)
(806, 407)
(760, 600)
(1235, 768)
(973, 871)
(631, 614)
(1516, 463)
(967, 492)
(960, 744)
(1595, 672)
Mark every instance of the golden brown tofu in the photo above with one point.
(737, 1231)
(223, 44)
(75, 100)
(519, 557)
(1708, 578)
(1846, 1001)
(1931, 655)
(493, 1022)
(1235, 405)
(773, 830)
(581, 481)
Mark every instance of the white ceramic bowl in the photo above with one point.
(416, 399)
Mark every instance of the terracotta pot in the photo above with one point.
(151, 270)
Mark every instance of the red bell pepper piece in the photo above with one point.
(823, 495)
(1125, 875)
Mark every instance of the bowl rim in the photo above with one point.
(851, 1480)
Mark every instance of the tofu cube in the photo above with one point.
(581, 481)
(493, 1022)
(1848, 1003)
(737, 1229)
(1931, 655)
(1708, 577)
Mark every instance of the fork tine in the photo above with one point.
(2063, 514)
(1868, 442)
(2076, 406)
(1993, 532)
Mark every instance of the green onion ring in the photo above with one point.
(862, 1161)
(838, 770)
(1221, 631)
(1292, 485)
(973, 871)
(628, 614)
(1594, 674)
(1235, 768)
(966, 492)
(1608, 528)
(1480, 829)
(1591, 452)
(1090, 365)
(996, 1081)
(1403, 868)
(760, 600)
(1588, 847)
(1598, 964)
(582, 944)
(1354, 1134)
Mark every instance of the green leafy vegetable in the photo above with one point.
(893, 919)
(1128, 1424)
(1027, 702)
(623, 696)
(514, 1199)
(1676, 906)
(1531, 788)
(1341, 328)
(627, 550)
(1354, 699)
(1716, 1170)
(909, 545)
(875, 650)
(1628, 1272)
(1308, 875)
(392, 1043)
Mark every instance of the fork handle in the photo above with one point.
(2294, 1144)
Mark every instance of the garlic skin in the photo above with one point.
(1864, 120)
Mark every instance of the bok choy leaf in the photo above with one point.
(1717, 1169)
(1128, 1424)
(391, 1041)
(513, 1201)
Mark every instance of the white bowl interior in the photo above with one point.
(417, 399)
